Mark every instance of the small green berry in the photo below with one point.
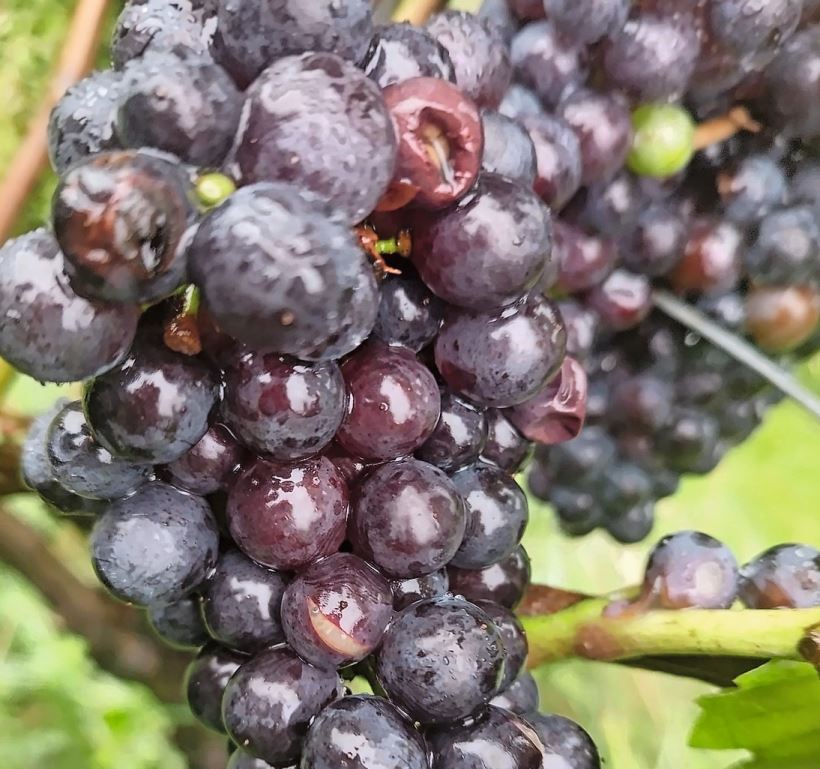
(213, 188)
(663, 143)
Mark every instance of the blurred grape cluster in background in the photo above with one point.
(59, 710)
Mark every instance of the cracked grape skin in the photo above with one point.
(154, 407)
(287, 516)
(179, 624)
(277, 269)
(363, 732)
(46, 330)
(271, 700)
(284, 407)
(252, 35)
(82, 465)
(407, 518)
(335, 612)
(441, 660)
(497, 738)
(205, 682)
(156, 546)
(318, 122)
(504, 357)
(488, 249)
(497, 515)
(241, 603)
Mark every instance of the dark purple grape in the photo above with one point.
(584, 260)
(785, 576)
(505, 446)
(283, 407)
(178, 103)
(441, 660)
(548, 62)
(622, 301)
(497, 514)
(252, 35)
(46, 330)
(643, 402)
(179, 624)
(805, 186)
(440, 140)
(287, 516)
(351, 468)
(208, 466)
(122, 220)
(241, 760)
(508, 149)
(394, 403)
(497, 738)
(154, 407)
(407, 518)
(36, 472)
(479, 55)
(656, 244)
(363, 732)
(527, 10)
(690, 569)
(489, 249)
(747, 26)
(499, 14)
(205, 682)
(579, 512)
(787, 248)
(520, 697)
(503, 582)
(155, 26)
(612, 208)
(603, 126)
(271, 700)
(752, 189)
(513, 637)
(83, 467)
(623, 485)
(409, 314)
(241, 602)
(501, 359)
(408, 591)
(588, 20)
(520, 102)
(632, 525)
(565, 743)
(335, 612)
(400, 52)
(459, 435)
(156, 546)
(557, 412)
(792, 81)
(690, 437)
(83, 122)
(712, 258)
(653, 57)
(318, 122)
(583, 326)
(278, 272)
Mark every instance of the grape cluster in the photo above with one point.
(299, 264)
(609, 92)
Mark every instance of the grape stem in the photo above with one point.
(724, 127)
(582, 631)
(738, 348)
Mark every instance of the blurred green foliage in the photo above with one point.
(57, 710)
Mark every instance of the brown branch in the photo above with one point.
(75, 61)
(724, 127)
(543, 599)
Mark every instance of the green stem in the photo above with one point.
(582, 631)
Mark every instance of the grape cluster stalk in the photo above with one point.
(331, 285)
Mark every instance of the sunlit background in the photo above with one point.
(59, 710)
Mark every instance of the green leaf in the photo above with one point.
(774, 713)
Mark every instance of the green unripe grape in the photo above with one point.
(663, 143)
(213, 188)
